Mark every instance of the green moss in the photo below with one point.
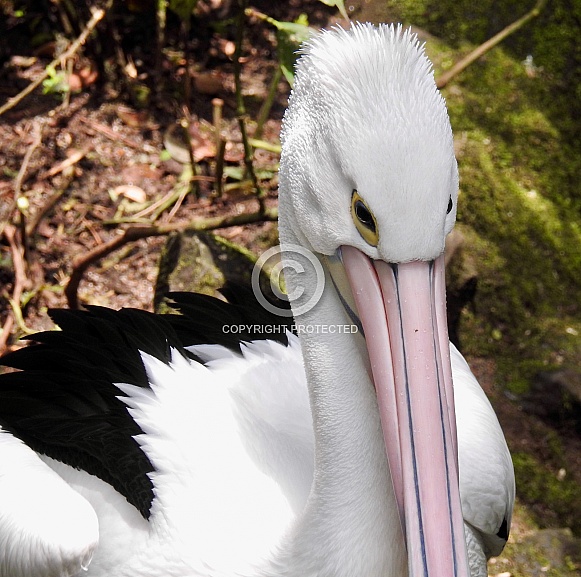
(540, 488)
(544, 553)
(519, 200)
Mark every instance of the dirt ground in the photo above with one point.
(118, 167)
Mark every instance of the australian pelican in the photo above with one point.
(135, 444)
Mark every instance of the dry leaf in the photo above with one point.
(137, 173)
(88, 75)
(132, 117)
(75, 83)
(176, 144)
(130, 191)
(209, 82)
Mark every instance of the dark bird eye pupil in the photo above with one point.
(450, 205)
(364, 215)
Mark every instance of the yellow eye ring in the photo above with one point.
(364, 220)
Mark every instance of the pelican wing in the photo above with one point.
(64, 404)
(487, 486)
(65, 401)
(46, 528)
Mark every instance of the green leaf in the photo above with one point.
(290, 36)
(164, 155)
(340, 6)
(234, 172)
(183, 8)
(298, 30)
(55, 82)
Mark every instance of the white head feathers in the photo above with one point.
(365, 115)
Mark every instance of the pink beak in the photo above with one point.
(402, 308)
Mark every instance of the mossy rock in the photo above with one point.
(555, 397)
(552, 499)
(542, 553)
(203, 263)
(559, 548)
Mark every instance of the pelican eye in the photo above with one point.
(364, 220)
(450, 206)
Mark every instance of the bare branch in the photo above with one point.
(36, 141)
(17, 252)
(445, 78)
(135, 233)
(240, 108)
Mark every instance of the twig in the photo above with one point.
(36, 141)
(88, 225)
(489, 44)
(178, 203)
(267, 104)
(219, 170)
(110, 133)
(19, 282)
(165, 201)
(134, 233)
(178, 192)
(65, 165)
(217, 109)
(67, 94)
(125, 78)
(185, 25)
(186, 124)
(240, 108)
(161, 20)
(64, 17)
(16, 201)
(67, 162)
(46, 208)
(217, 113)
(157, 208)
(19, 317)
(264, 145)
(95, 19)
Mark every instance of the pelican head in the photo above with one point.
(366, 108)
(369, 183)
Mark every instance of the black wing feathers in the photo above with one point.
(206, 320)
(64, 403)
